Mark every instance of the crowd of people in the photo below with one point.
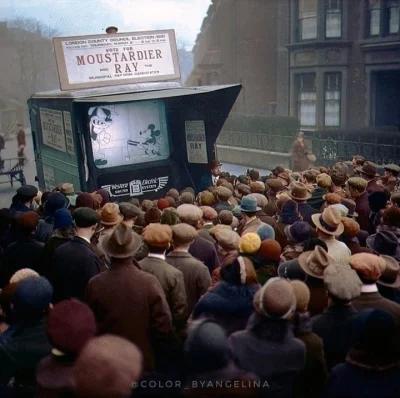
(284, 285)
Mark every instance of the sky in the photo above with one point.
(85, 17)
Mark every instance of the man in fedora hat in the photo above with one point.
(211, 178)
(300, 194)
(390, 180)
(329, 227)
(250, 222)
(114, 293)
(75, 262)
(369, 172)
(385, 243)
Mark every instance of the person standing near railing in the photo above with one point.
(300, 155)
(21, 143)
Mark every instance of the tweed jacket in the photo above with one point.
(195, 275)
(172, 282)
(131, 303)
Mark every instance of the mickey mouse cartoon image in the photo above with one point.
(148, 141)
(100, 122)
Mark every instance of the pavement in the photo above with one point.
(10, 151)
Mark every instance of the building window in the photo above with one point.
(307, 99)
(307, 19)
(393, 8)
(333, 20)
(332, 99)
(374, 17)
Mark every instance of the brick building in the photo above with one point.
(237, 44)
(331, 63)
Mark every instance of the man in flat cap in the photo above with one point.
(201, 248)
(210, 179)
(75, 262)
(22, 201)
(130, 212)
(195, 274)
(390, 180)
(158, 238)
(111, 30)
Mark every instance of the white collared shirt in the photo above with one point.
(369, 288)
(153, 255)
(214, 179)
(208, 223)
(84, 238)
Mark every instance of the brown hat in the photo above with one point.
(122, 243)
(275, 184)
(147, 204)
(324, 181)
(171, 201)
(97, 200)
(152, 216)
(223, 193)
(329, 221)
(256, 187)
(213, 231)
(276, 299)
(315, 262)
(186, 197)
(209, 214)
(285, 177)
(110, 214)
(206, 198)
(332, 198)
(351, 227)
(28, 221)
(189, 214)
(299, 191)
(106, 367)
(302, 293)
(227, 239)
(243, 189)
(261, 199)
(338, 177)
(351, 205)
(67, 189)
(225, 217)
(270, 249)
(128, 210)
(369, 169)
(391, 216)
(173, 193)
(214, 163)
(391, 274)
(228, 185)
(182, 234)
(368, 266)
(157, 235)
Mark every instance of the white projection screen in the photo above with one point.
(128, 133)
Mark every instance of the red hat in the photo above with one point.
(70, 325)
(270, 249)
(163, 204)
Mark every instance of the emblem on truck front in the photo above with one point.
(137, 187)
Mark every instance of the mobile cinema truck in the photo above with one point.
(121, 121)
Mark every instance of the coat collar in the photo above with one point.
(179, 255)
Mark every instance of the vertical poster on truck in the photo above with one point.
(68, 132)
(49, 178)
(52, 124)
(130, 133)
(196, 144)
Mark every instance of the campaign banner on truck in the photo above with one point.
(53, 133)
(196, 145)
(123, 58)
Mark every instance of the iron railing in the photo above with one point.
(327, 150)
